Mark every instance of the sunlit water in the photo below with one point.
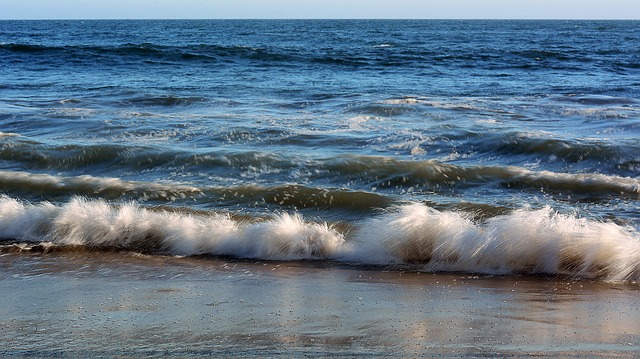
(497, 147)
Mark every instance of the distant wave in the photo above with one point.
(297, 196)
(508, 146)
(399, 56)
(390, 172)
(163, 101)
(206, 53)
(107, 187)
(520, 143)
(372, 174)
(412, 236)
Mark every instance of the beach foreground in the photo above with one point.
(122, 305)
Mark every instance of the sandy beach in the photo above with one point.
(125, 305)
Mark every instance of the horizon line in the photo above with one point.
(323, 19)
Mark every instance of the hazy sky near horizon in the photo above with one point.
(335, 9)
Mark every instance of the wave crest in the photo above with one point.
(413, 236)
(526, 241)
(99, 225)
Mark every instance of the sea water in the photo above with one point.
(493, 147)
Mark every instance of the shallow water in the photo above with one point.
(115, 304)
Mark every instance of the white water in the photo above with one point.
(416, 236)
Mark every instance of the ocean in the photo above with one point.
(495, 149)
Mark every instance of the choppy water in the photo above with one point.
(477, 146)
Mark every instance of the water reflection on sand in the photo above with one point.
(115, 304)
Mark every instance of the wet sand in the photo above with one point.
(124, 305)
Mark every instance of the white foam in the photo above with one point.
(529, 241)
(359, 123)
(414, 235)
(97, 224)
(401, 101)
(413, 142)
(72, 112)
(25, 222)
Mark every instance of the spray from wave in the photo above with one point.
(412, 236)
(524, 241)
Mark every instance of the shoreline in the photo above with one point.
(115, 304)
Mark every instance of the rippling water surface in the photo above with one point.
(477, 146)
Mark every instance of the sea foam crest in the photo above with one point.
(99, 225)
(413, 236)
(527, 241)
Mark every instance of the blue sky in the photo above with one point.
(216, 9)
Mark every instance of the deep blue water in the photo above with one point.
(488, 126)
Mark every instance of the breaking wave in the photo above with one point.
(536, 241)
